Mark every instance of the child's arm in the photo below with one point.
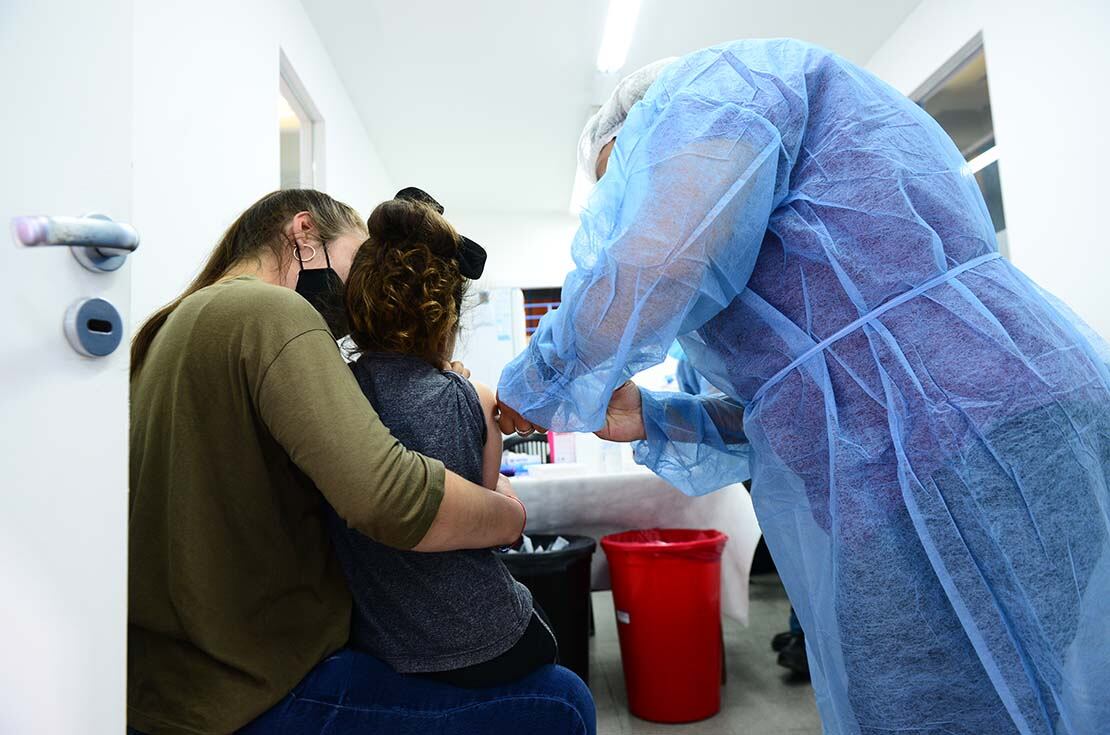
(491, 456)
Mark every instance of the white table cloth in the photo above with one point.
(596, 504)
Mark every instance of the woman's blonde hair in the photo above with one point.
(257, 231)
(405, 292)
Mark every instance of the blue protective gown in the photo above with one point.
(929, 432)
(689, 381)
(687, 378)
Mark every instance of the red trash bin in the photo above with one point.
(667, 595)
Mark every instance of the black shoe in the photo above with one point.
(781, 640)
(793, 656)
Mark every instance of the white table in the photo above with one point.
(596, 504)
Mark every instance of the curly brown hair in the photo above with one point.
(404, 291)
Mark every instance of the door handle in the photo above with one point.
(98, 242)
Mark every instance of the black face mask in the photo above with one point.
(323, 288)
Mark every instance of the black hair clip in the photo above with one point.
(471, 255)
(472, 258)
(412, 194)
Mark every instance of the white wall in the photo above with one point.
(206, 129)
(1047, 64)
(525, 250)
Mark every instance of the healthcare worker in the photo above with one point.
(929, 432)
(686, 377)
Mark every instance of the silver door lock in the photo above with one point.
(97, 242)
(93, 327)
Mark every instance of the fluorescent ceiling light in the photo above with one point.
(983, 160)
(620, 23)
(581, 192)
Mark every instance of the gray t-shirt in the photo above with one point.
(428, 612)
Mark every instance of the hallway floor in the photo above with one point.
(760, 698)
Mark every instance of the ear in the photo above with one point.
(303, 225)
(603, 158)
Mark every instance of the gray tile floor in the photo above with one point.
(759, 699)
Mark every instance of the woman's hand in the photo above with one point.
(509, 421)
(504, 487)
(624, 419)
(456, 367)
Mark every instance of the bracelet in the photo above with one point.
(525, 524)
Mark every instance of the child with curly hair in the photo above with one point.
(458, 617)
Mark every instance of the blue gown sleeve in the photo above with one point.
(695, 442)
(668, 239)
(688, 379)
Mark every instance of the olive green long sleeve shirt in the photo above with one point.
(244, 417)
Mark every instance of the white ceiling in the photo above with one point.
(481, 102)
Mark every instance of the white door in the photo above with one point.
(65, 149)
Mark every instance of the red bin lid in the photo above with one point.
(677, 541)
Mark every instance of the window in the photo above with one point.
(537, 302)
(301, 133)
(959, 99)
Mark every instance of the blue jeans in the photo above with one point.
(354, 693)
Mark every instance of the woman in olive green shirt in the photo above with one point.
(243, 418)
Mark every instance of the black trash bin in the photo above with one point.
(560, 584)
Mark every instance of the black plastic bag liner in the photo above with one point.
(560, 585)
